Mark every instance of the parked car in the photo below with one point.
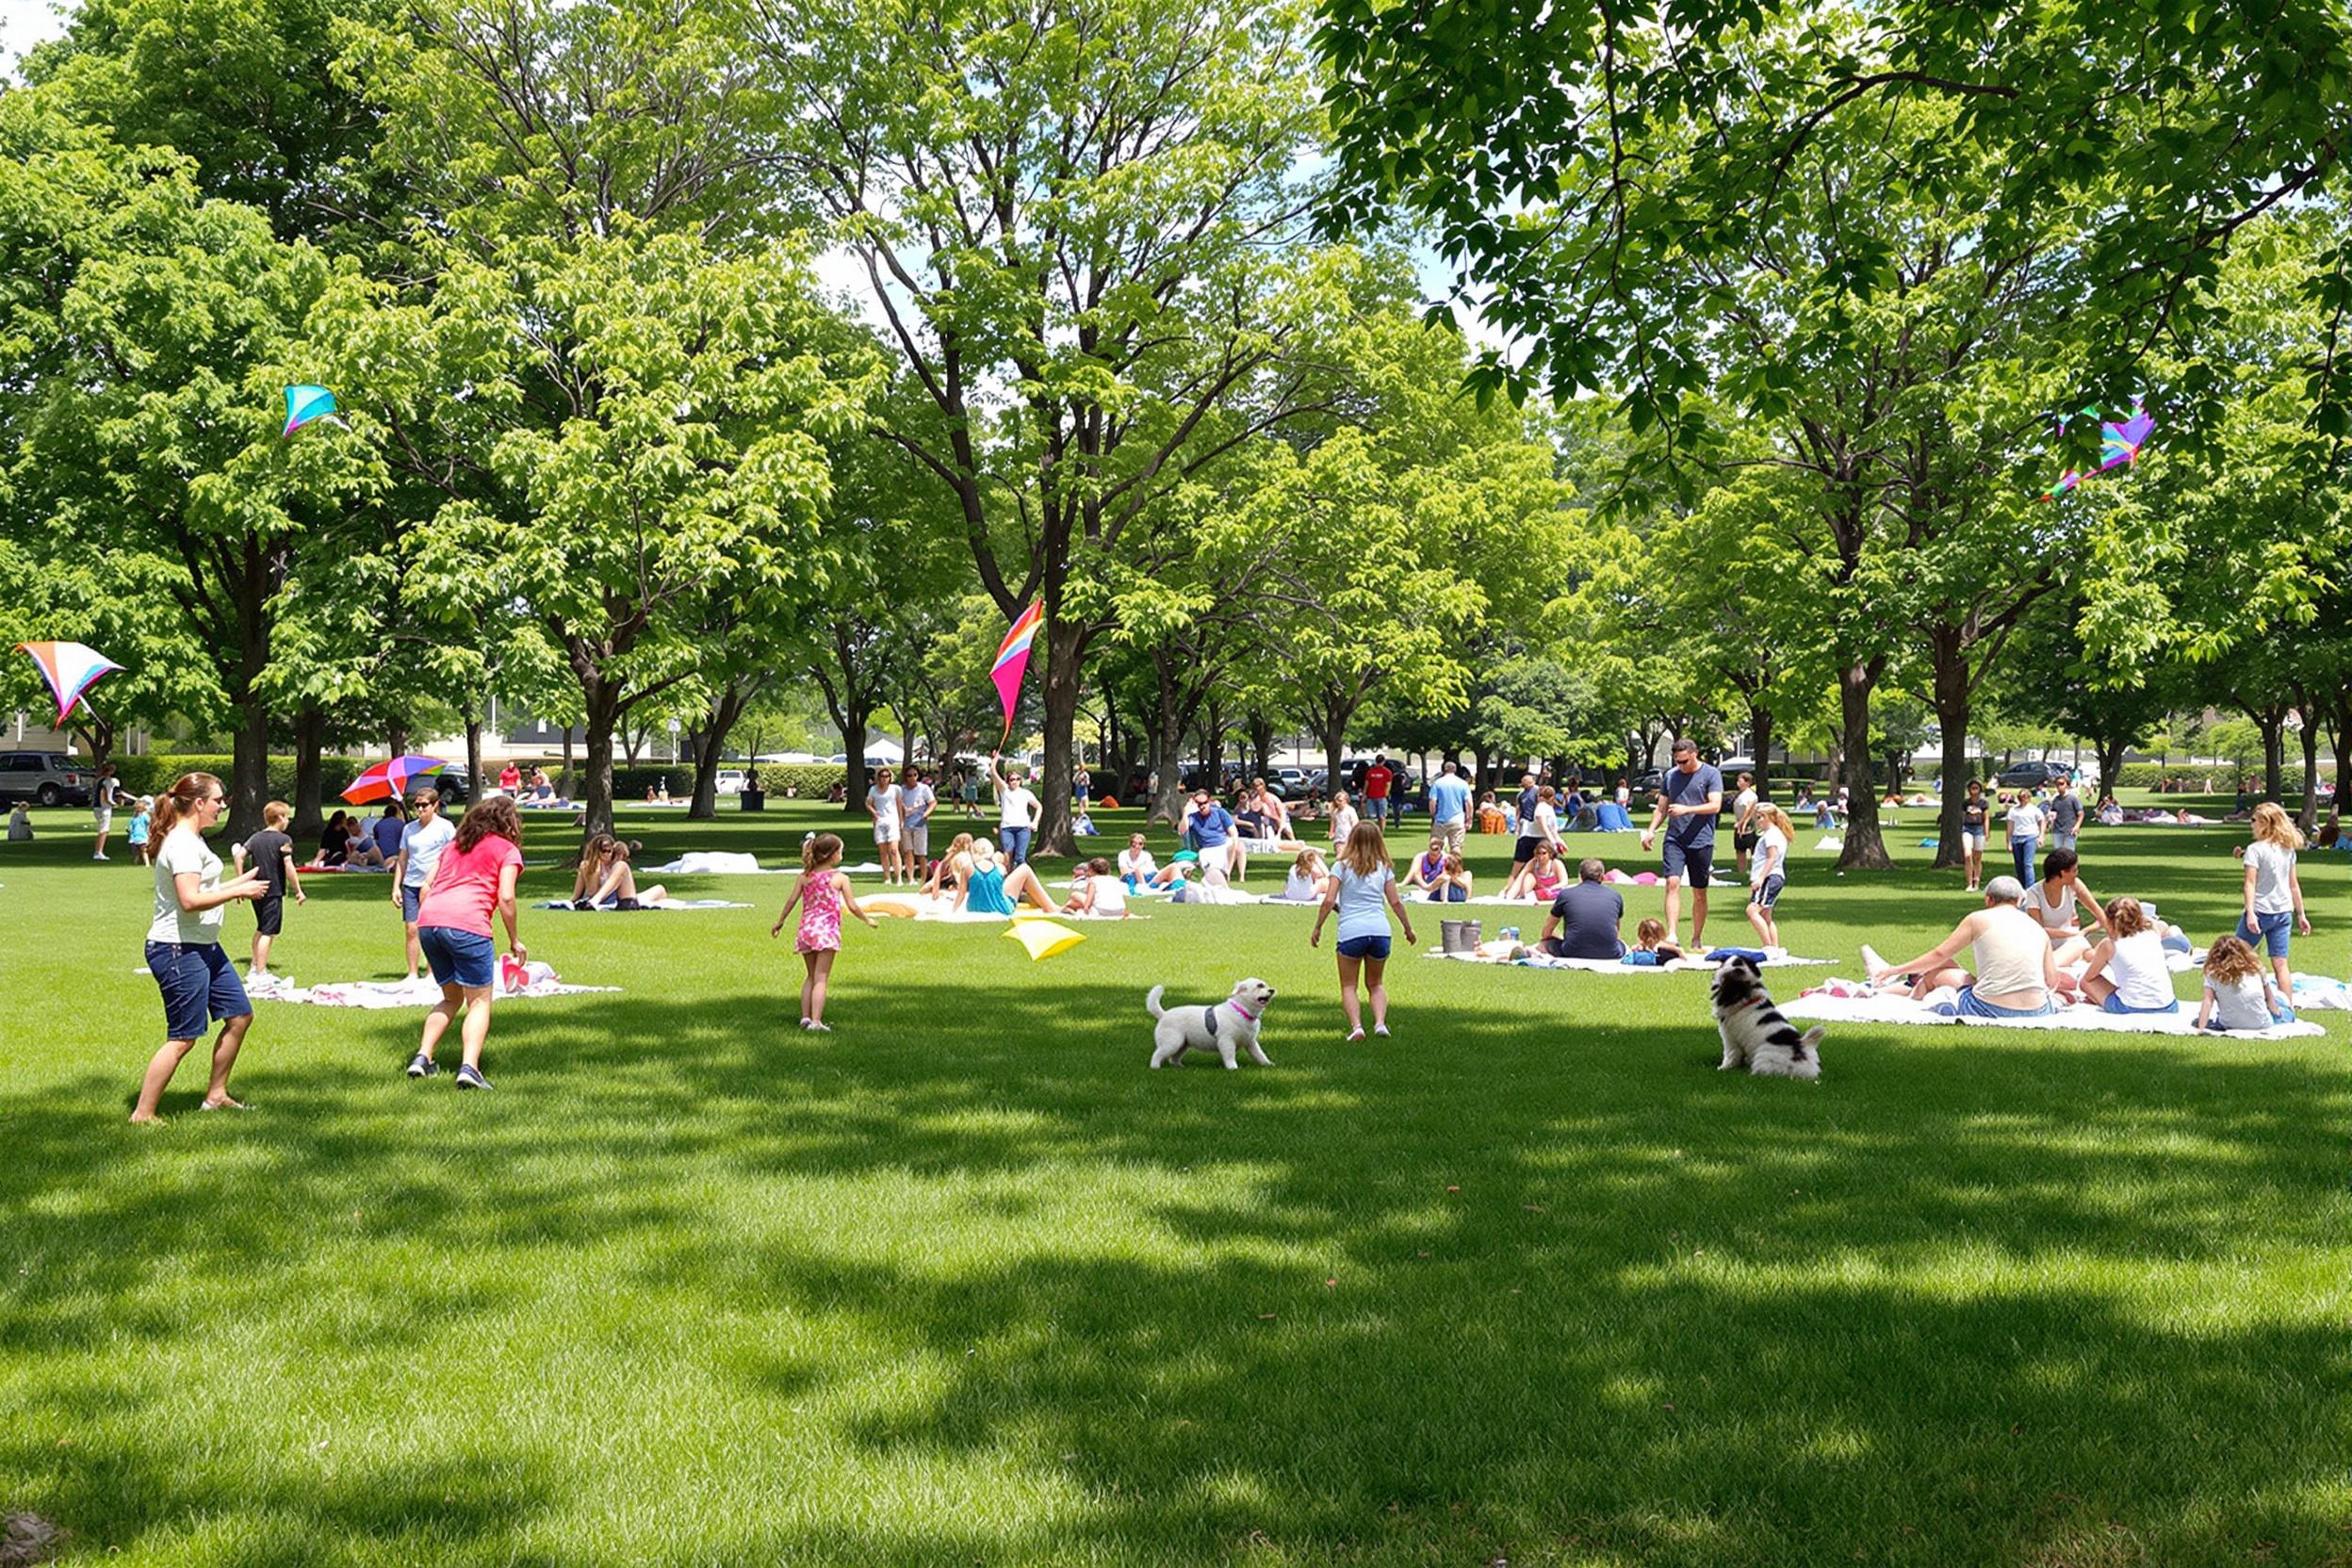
(43, 778)
(455, 784)
(1649, 784)
(1289, 783)
(2031, 775)
(731, 781)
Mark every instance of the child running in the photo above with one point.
(2274, 891)
(1771, 870)
(2237, 995)
(142, 823)
(1364, 891)
(821, 893)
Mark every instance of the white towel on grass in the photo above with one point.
(1615, 966)
(561, 907)
(388, 994)
(1898, 1009)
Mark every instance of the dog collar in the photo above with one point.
(1242, 1010)
(1752, 1002)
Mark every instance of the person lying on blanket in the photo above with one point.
(1095, 890)
(2015, 976)
(607, 879)
(1650, 945)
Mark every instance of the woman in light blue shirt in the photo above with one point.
(1364, 891)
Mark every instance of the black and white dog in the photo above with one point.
(1226, 1027)
(1754, 1035)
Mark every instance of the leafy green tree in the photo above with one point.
(1082, 209)
(1526, 138)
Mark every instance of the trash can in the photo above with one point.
(753, 796)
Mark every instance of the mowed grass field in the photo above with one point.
(963, 1283)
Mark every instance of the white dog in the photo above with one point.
(1754, 1035)
(1228, 1027)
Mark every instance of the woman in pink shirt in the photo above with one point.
(477, 874)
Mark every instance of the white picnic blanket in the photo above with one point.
(1898, 1009)
(721, 862)
(560, 905)
(419, 992)
(1615, 966)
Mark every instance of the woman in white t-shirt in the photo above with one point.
(198, 980)
(1018, 812)
(2274, 890)
(2053, 901)
(2127, 972)
(1136, 866)
(885, 805)
(1364, 891)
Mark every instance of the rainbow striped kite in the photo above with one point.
(1012, 658)
(71, 669)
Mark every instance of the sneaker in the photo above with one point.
(807, 1024)
(471, 1078)
(1354, 1035)
(816, 1028)
(97, 856)
(421, 1066)
(1381, 1030)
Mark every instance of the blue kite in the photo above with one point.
(305, 404)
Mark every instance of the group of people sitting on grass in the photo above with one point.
(2030, 956)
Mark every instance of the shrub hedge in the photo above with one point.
(153, 774)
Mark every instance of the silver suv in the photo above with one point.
(45, 777)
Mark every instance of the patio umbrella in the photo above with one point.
(386, 779)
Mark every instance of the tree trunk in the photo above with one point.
(2309, 817)
(1760, 742)
(852, 719)
(473, 754)
(310, 730)
(710, 748)
(2272, 722)
(565, 785)
(603, 699)
(2109, 751)
(1865, 850)
(1065, 647)
(1334, 733)
(1260, 745)
(1952, 709)
(396, 741)
(248, 770)
(1212, 750)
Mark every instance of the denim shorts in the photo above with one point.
(459, 958)
(1365, 947)
(409, 898)
(2114, 1004)
(2269, 933)
(200, 986)
(1970, 1005)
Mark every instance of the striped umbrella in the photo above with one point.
(386, 779)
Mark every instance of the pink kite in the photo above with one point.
(1012, 658)
(72, 669)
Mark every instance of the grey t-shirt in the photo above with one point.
(2066, 813)
(1691, 789)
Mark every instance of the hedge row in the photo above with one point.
(153, 775)
(2187, 779)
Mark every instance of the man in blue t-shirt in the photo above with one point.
(1212, 827)
(1449, 808)
(1690, 799)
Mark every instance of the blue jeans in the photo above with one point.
(2021, 851)
(1971, 1005)
(1017, 843)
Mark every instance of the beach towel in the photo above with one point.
(558, 906)
(1855, 1005)
(1498, 952)
(537, 980)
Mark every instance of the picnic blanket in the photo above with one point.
(1856, 1007)
(720, 862)
(539, 981)
(558, 905)
(1609, 966)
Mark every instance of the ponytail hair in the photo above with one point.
(822, 850)
(491, 817)
(180, 799)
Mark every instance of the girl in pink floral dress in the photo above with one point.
(821, 893)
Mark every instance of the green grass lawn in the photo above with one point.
(964, 1283)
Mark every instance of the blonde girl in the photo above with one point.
(199, 982)
(821, 893)
(1304, 884)
(2237, 994)
(2273, 891)
(2127, 972)
(1364, 891)
(1773, 833)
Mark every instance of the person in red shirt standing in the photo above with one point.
(511, 780)
(1377, 779)
(477, 874)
